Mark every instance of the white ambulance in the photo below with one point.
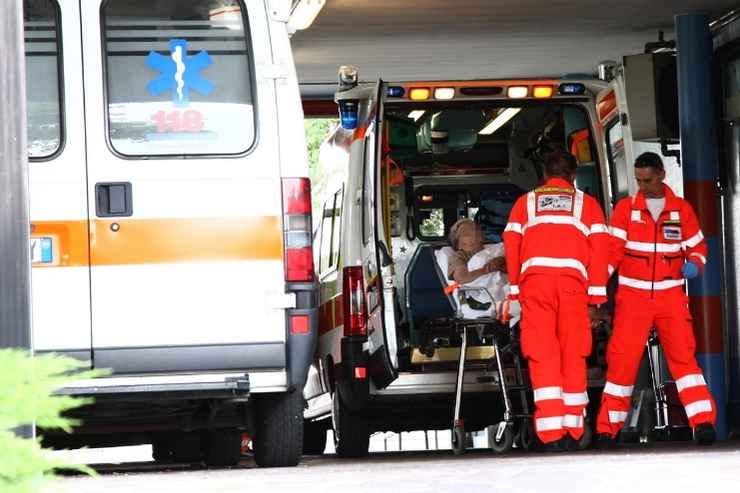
(413, 159)
(171, 221)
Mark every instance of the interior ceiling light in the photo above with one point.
(416, 114)
(304, 13)
(501, 119)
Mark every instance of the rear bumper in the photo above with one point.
(193, 385)
(301, 346)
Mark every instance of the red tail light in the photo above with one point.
(353, 296)
(297, 229)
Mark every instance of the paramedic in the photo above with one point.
(466, 239)
(655, 243)
(556, 244)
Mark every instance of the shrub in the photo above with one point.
(26, 398)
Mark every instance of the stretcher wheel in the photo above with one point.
(505, 443)
(458, 440)
(526, 438)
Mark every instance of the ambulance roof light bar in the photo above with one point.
(303, 14)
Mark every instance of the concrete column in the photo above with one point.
(700, 170)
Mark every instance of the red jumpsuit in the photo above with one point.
(649, 256)
(556, 244)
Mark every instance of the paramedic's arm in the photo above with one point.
(512, 244)
(693, 239)
(618, 233)
(598, 244)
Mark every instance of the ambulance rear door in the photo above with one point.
(376, 260)
(184, 187)
(56, 149)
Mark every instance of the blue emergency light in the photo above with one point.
(348, 114)
(572, 88)
(395, 91)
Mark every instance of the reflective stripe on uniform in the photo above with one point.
(597, 291)
(575, 398)
(653, 247)
(515, 227)
(552, 219)
(572, 421)
(618, 233)
(549, 424)
(546, 393)
(659, 285)
(688, 381)
(701, 257)
(704, 406)
(693, 241)
(578, 206)
(531, 206)
(599, 228)
(617, 416)
(554, 262)
(618, 390)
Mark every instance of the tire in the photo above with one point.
(186, 447)
(222, 447)
(162, 449)
(527, 439)
(279, 435)
(505, 443)
(351, 429)
(314, 437)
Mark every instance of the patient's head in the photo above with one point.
(466, 235)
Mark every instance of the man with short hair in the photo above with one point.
(655, 243)
(556, 245)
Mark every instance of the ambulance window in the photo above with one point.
(178, 77)
(617, 161)
(337, 228)
(327, 219)
(43, 69)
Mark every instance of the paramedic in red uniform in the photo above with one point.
(655, 243)
(556, 244)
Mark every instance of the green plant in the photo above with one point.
(27, 397)
(317, 129)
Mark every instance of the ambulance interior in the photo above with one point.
(441, 163)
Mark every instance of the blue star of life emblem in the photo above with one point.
(179, 73)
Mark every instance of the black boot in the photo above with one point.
(556, 446)
(704, 434)
(604, 441)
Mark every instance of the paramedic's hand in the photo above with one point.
(595, 315)
(690, 270)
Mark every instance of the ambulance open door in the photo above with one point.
(376, 259)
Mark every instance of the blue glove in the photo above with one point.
(690, 270)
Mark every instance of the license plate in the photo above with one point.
(42, 251)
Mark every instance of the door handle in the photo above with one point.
(113, 199)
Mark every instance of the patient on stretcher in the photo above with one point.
(471, 264)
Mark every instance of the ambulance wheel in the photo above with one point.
(351, 429)
(279, 434)
(526, 438)
(222, 447)
(506, 441)
(186, 447)
(314, 437)
(458, 440)
(162, 448)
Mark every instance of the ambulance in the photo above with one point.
(408, 160)
(171, 222)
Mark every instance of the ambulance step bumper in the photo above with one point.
(201, 385)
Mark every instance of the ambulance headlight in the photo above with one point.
(348, 110)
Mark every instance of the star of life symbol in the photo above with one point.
(179, 72)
